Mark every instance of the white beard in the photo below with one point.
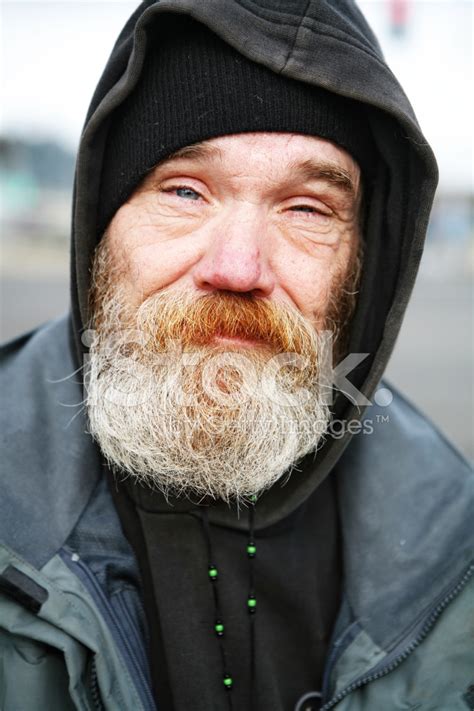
(228, 427)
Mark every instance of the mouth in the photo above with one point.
(238, 341)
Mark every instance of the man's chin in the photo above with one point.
(203, 449)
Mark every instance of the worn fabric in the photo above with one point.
(298, 584)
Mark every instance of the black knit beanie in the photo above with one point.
(193, 87)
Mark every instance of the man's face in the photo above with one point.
(210, 292)
(268, 214)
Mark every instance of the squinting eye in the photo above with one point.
(187, 193)
(303, 208)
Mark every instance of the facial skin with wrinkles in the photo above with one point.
(244, 246)
(273, 215)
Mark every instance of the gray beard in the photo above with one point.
(204, 421)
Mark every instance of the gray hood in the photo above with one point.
(322, 43)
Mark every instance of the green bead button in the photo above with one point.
(251, 603)
(253, 499)
(219, 627)
(228, 682)
(212, 572)
(251, 550)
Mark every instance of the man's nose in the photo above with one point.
(235, 259)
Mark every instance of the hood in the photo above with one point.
(328, 44)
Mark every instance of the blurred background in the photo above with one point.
(51, 57)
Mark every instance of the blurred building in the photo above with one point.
(36, 186)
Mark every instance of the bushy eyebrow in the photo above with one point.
(196, 151)
(331, 173)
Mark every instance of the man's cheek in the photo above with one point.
(160, 266)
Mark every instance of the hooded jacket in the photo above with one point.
(72, 628)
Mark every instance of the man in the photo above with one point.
(197, 513)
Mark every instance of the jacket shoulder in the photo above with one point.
(406, 498)
(400, 433)
(49, 460)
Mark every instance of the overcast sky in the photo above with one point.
(52, 54)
